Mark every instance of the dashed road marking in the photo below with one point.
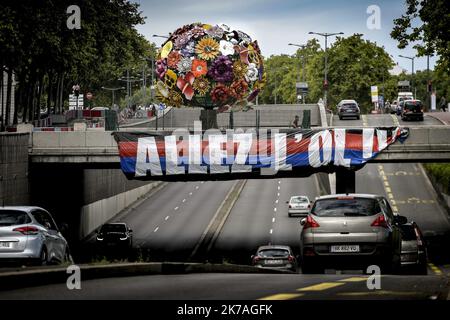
(276, 201)
(190, 193)
(196, 187)
(176, 208)
(322, 286)
(156, 229)
(278, 194)
(283, 296)
(275, 209)
(273, 220)
(167, 218)
(364, 120)
(184, 200)
(279, 187)
(395, 120)
(271, 231)
(354, 279)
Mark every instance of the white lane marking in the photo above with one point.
(167, 218)
(279, 187)
(276, 201)
(184, 200)
(271, 231)
(176, 208)
(190, 193)
(196, 187)
(279, 181)
(202, 182)
(275, 209)
(278, 194)
(156, 229)
(273, 220)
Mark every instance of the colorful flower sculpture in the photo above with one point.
(209, 66)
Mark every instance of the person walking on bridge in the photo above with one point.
(295, 122)
(443, 104)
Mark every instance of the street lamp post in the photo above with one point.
(113, 90)
(325, 81)
(302, 57)
(158, 36)
(413, 89)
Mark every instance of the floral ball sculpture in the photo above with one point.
(209, 66)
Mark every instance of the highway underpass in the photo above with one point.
(173, 220)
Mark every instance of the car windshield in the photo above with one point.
(13, 217)
(113, 228)
(346, 207)
(299, 200)
(271, 253)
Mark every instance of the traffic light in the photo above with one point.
(325, 84)
(429, 86)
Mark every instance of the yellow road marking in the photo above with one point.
(395, 120)
(395, 208)
(386, 183)
(377, 292)
(283, 296)
(322, 286)
(435, 269)
(388, 189)
(380, 167)
(384, 177)
(390, 196)
(354, 279)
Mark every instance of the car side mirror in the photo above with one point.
(400, 219)
(303, 221)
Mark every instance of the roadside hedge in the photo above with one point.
(441, 173)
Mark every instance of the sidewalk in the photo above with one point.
(441, 116)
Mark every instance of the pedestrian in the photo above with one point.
(295, 122)
(443, 104)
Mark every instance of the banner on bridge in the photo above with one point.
(215, 155)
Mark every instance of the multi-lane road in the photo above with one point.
(173, 220)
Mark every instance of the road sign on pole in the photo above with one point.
(374, 93)
(73, 101)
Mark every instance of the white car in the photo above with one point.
(299, 205)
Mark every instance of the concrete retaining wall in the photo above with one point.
(14, 187)
(95, 214)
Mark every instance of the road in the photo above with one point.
(171, 221)
(260, 217)
(211, 286)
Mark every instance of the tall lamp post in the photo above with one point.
(113, 90)
(302, 57)
(325, 81)
(413, 89)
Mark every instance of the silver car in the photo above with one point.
(31, 234)
(351, 231)
(275, 256)
(298, 205)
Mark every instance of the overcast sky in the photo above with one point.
(275, 23)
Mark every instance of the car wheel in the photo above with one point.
(43, 259)
(358, 117)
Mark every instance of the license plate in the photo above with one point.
(274, 261)
(345, 248)
(5, 244)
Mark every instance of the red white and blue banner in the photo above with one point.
(213, 154)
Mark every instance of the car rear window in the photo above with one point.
(415, 106)
(270, 253)
(349, 105)
(113, 228)
(342, 207)
(13, 218)
(299, 200)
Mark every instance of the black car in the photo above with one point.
(115, 235)
(411, 109)
(414, 252)
(275, 256)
